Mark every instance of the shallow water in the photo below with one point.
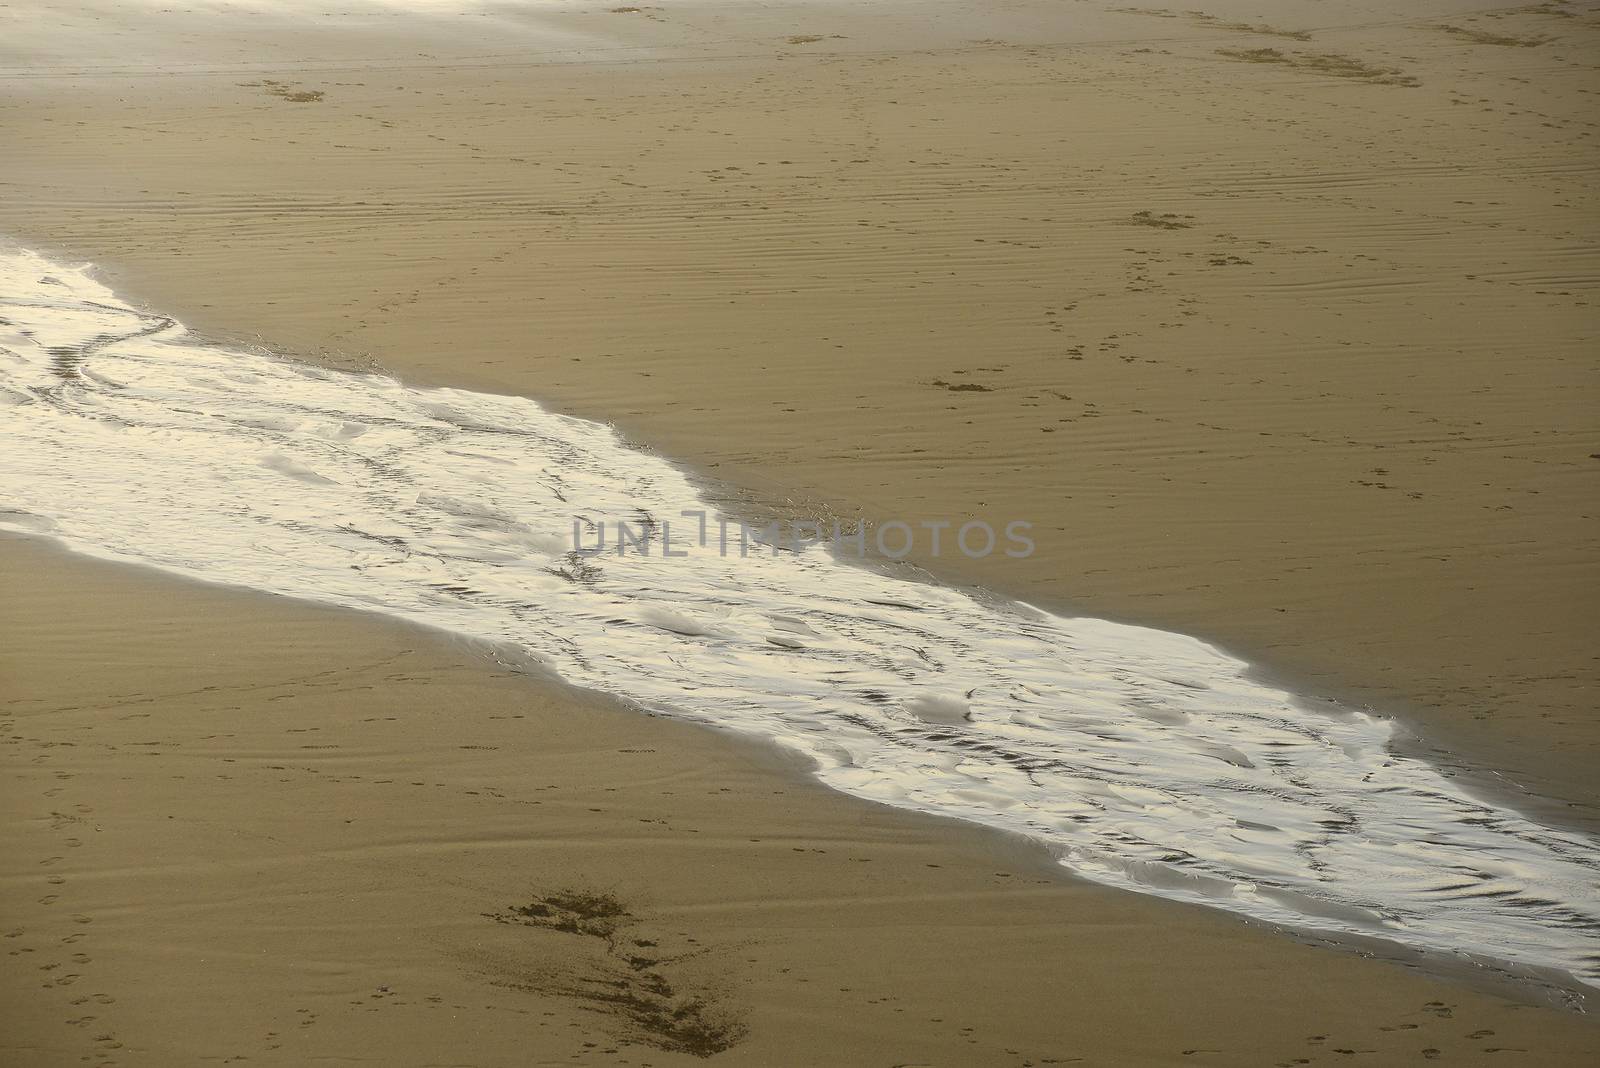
(1146, 760)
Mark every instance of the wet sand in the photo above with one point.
(1284, 352)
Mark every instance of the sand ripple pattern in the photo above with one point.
(1147, 760)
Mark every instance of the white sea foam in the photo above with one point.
(1147, 760)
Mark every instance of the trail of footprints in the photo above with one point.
(63, 961)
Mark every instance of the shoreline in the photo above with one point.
(1238, 332)
(1179, 882)
(1417, 733)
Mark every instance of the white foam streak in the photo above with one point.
(1147, 760)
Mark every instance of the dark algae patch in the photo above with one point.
(287, 91)
(635, 979)
(571, 911)
(1166, 220)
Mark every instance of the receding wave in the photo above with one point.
(1145, 759)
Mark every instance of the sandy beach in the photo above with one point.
(1277, 326)
(231, 841)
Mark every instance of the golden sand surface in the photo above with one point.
(1280, 331)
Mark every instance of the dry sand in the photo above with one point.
(1276, 348)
